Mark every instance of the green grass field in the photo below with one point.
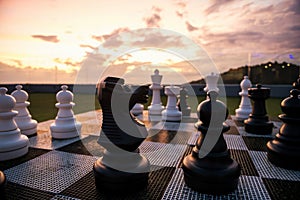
(42, 105)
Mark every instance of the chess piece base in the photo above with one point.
(65, 131)
(2, 183)
(242, 114)
(222, 178)
(26, 125)
(171, 115)
(111, 180)
(258, 126)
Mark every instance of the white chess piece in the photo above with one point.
(211, 81)
(172, 113)
(13, 144)
(65, 125)
(156, 106)
(245, 107)
(137, 109)
(23, 119)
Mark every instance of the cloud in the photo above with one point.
(181, 12)
(115, 32)
(67, 61)
(154, 19)
(88, 46)
(216, 5)
(47, 38)
(190, 27)
(18, 62)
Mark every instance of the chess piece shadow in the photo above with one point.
(258, 121)
(122, 168)
(209, 168)
(284, 149)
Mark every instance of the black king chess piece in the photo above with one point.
(2, 183)
(209, 168)
(284, 150)
(122, 168)
(258, 121)
(182, 104)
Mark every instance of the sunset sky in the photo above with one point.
(54, 41)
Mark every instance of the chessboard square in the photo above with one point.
(174, 126)
(62, 197)
(256, 143)
(244, 133)
(86, 146)
(165, 136)
(193, 138)
(91, 127)
(282, 189)
(16, 191)
(244, 159)
(45, 141)
(162, 154)
(52, 172)
(32, 153)
(235, 142)
(267, 170)
(232, 131)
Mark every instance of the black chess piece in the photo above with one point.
(209, 168)
(122, 168)
(182, 104)
(296, 84)
(258, 121)
(284, 149)
(2, 183)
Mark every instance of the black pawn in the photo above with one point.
(182, 104)
(122, 168)
(209, 168)
(2, 183)
(258, 121)
(284, 150)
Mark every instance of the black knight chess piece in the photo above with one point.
(284, 150)
(182, 103)
(209, 168)
(258, 121)
(122, 168)
(2, 183)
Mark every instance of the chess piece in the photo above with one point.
(245, 107)
(182, 104)
(209, 168)
(258, 121)
(156, 106)
(65, 125)
(296, 84)
(171, 113)
(284, 149)
(211, 81)
(137, 109)
(121, 168)
(23, 119)
(2, 183)
(13, 144)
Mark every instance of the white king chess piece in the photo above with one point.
(65, 125)
(23, 119)
(156, 106)
(172, 113)
(245, 107)
(211, 81)
(13, 144)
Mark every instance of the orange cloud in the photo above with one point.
(47, 38)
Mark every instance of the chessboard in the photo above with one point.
(63, 169)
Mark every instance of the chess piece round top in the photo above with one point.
(19, 94)
(172, 90)
(291, 105)
(7, 101)
(246, 83)
(156, 77)
(259, 92)
(296, 85)
(210, 107)
(64, 96)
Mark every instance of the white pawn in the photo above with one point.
(211, 81)
(137, 109)
(12, 143)
(156, 106)
(245, 107)
(65, 125)
(172, 113)
(23, 119)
